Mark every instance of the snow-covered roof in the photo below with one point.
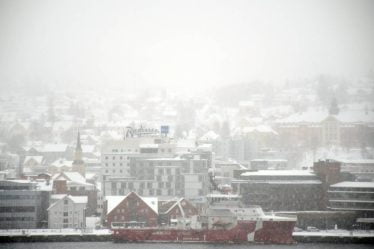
(73, 178)
(152, 202)
(88, 148)
(209, 136)
(62, 163)
(279, 173)
(153, 146)
(37, 159)
(74, 199)
(269, 160)
(54, 148)
(259, 129)
(78, 199)
(113, 201)
(316, 116)
(356, 161)
(353, 185)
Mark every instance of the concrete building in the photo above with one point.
(151, 166)
(362, 169)
(116, 154)
(185, 175)
(68, 212)
(352, 196)
(280, 190)
(22, 205)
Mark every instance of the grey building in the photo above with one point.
(23, 205)
(352, 196)
(280, 190)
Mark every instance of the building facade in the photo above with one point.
(22, 205)
(68, 212)
(280, 190)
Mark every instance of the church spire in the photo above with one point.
(78, 163)
(79, 147)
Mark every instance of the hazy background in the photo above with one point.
(181, 44)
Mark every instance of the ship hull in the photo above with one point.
(243, 232)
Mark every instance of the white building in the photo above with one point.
(116, 154)
(67, 212)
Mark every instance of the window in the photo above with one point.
(66, 214)
(66, 220)
(66, 201)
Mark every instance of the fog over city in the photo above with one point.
(182, 44)
(186, 121)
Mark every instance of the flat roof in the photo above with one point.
(279, 173)
(353, 185)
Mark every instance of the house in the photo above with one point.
(73, 183)
(131, 208)
(33, 164)
(60, 165)
(67, 212)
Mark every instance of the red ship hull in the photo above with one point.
(269, 232)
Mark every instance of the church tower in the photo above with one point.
(78, 163)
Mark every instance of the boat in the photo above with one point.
(224, 220)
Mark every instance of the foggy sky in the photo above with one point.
(182, 43)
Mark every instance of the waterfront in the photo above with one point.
(110, 245)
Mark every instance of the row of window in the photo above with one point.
(16, 219)
(123, 150)
(116, 157)
(16, 197)
(151, 192)
(17, 209)
(114, 164)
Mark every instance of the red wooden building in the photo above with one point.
(131, 208)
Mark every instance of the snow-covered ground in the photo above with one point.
(9, 232)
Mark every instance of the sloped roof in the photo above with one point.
(72, 178)
(114, 201)
(74, 199)
(38, 159)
